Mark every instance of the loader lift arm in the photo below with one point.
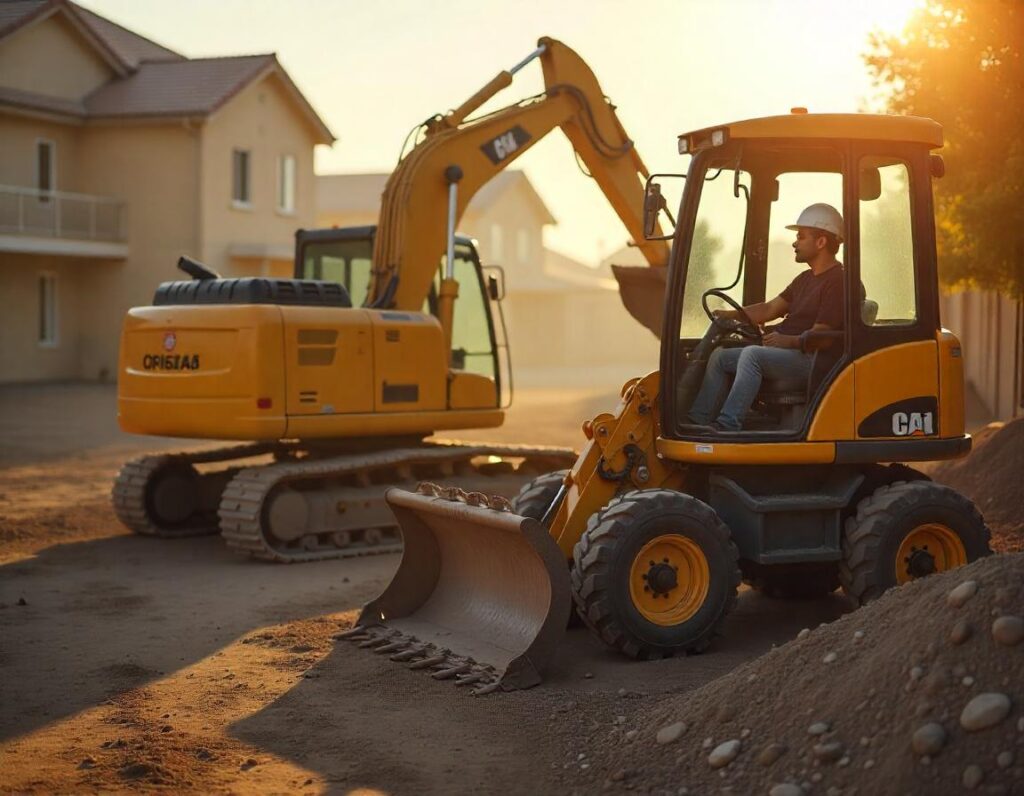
(434, 183)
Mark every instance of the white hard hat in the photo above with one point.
(820, 216)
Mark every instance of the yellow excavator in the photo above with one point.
(652, 530)
(343, 397)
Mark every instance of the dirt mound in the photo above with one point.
(991, 476)
(915, 693)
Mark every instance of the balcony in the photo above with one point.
(61, 223)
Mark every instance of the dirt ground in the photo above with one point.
(129, 663)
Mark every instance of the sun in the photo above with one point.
(890, 16)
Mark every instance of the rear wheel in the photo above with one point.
(655, 574)
(905, 531)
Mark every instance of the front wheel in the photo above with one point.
(655, 574)
(905, 531)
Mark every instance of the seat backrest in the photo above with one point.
(868, 311)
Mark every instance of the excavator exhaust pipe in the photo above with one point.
(481, 595)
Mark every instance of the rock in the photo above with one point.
(620, 719)
(804, 633)
(984, 711)
(916, 673)
(843, 762)
(670, 733)
(973, 775)
(1005, 759)
(204, 754)
(771, 753)
(620, 775)
(707, 743)
(90, 762)
(786, 789)
(935, 680)
(857, 635)
(968, 681)
(865, 741)
(21, 601)
(830, 657)
(928, 739)
(723, 754)
(869, 764)
(828, 752)
(588, 675)
(961, 631)
(135, 770)
(817, 777)
(1008, 630)
(745, 733)
(818, 728)
(166, 728)
(923, 709)
(959, 596)
(250, 763)
(631, 735)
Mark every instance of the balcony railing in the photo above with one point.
(58, 214)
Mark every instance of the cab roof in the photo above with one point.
(873, 126)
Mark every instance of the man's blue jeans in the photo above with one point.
(750, 365)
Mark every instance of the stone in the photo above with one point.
(959, 596)
(707, 743)
(830, 657)
(984, 711)
(88, 762)
(817, 777)
(858, 635)
(723, 754)
(631, 735)
(916, 673)
(818, 728)
(804, 633)
(621, 775)
(973, 776)
(1005, 759)
(744, 733)
(828, 752)
(935, 680)
(786, 789)
(769, 754)
(671, 733)
(928, 739)
(968, 681)
(961, 632)
(869, 764)
(588, 675)
(1008, 630)
(843, 762)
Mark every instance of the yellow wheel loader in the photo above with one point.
(659, 520)
(344, 396)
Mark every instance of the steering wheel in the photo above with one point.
(743, 326)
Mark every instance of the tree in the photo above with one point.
(961, 62)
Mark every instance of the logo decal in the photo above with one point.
(170, 340)
(913, 424)
(506, 144)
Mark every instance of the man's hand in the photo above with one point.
(726, 314)
(776, 340)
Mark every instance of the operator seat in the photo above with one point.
(797, 392)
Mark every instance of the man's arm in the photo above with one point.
(776, 340)
(760, 313)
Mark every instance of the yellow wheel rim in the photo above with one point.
(669, 579)
(928, 548)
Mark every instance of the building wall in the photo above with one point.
(18, 164)
(262, 120)
(52, 58)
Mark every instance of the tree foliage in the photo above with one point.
(961, 62)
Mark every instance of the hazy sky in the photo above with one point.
(373, 70)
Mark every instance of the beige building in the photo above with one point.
(120, 155)
(560, 313)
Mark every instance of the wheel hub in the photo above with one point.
(661, 578)
(920, 563)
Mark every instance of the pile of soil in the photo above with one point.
(992, 477)
(921, 691)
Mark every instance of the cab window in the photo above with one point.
(344, 261)
(887, 242)
(472, 345)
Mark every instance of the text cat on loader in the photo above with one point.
(658, 521)
(344, 396)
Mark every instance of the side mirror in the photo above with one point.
(870, 185)
(654, 205)
(495, 282)
(937, 165)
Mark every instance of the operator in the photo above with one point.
(812, 301)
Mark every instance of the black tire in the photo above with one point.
(534, 498)
(794, 581)
(884, 519)
(604, 556)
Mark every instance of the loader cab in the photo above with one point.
(745, 183)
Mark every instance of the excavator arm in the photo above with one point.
(433, 184)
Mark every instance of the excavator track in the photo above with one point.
(163, 495)
(321, 508)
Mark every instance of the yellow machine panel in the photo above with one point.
(834, 418)
(951, 385)
(329, 360)
(896, 377)
(202, 371)
(410, 362)
(472, 391)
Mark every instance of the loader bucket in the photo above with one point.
(481, 594)
(642, 290)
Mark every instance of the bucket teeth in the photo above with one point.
(355, 631)
(394, 646)
(469, 679)
(428, 488)
(489, 688)
(451, 671)
(427, 663)
(375, 642)
(408, 655)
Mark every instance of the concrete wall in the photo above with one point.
(51, 57)
(262, 120)
(18, 164)
(990, 328)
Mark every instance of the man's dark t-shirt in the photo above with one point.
(814, 299)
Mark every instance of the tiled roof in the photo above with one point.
(129, 47)
(40, 102)
(177, 88)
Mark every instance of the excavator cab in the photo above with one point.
(658, 522)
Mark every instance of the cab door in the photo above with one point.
(473, 376)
